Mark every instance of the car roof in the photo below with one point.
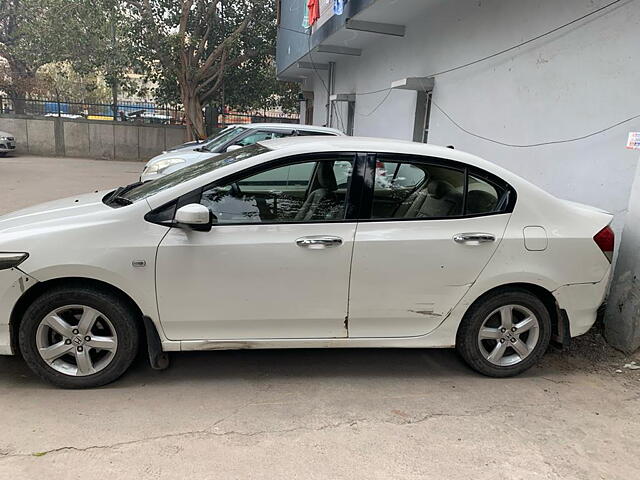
(290, 126)
(300, 145)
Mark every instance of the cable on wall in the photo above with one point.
(530, 145)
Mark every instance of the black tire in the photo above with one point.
(467, 343)
(120, 314)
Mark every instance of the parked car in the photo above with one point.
(7, 143)
(289, 244)
(233, 137)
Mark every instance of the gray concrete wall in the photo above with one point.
(90, 139)
(622, 319)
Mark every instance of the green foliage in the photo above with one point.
(251, 85)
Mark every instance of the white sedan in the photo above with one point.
(231, 138)
(7, 143)
(292, 243)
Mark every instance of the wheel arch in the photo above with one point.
(39, 288)
(559, 320)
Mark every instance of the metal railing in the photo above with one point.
(233, 118)
(143, 112)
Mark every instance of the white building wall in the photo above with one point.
(574, 82)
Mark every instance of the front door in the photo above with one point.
(433, 227)
(275, 264)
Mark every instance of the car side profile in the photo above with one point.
(334, 242)
(231, 138)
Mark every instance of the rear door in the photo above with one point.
(430, 226)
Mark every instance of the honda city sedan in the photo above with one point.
(301, 243)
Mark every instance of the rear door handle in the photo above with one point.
(319, 241)
(474, 238)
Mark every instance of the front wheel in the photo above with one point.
(78, 337)
(504, 334)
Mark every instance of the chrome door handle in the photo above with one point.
(474, 238)
(319, 241)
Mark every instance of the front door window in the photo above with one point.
(299, 192)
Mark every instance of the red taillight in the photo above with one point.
(606, 239)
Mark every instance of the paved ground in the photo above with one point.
(313, 414)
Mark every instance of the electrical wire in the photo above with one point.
(375, 109)
(514, 47)
(530, 145)
(313, 64)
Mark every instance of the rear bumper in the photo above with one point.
(581, 301)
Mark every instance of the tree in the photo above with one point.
(17, 77)
(82, 33)
(251, 85)
(194, 42)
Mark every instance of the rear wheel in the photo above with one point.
(505, 334)
(78, 337)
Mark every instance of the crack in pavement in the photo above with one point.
(210, 432)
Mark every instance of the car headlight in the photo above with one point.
(12, 259)
(4, 138)
(162, 165)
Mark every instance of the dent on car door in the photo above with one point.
(432, 228)
(275, 263)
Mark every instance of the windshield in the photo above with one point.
(142, 191)
(222, 138)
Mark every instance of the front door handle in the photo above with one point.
(319, 241)
(474, 238)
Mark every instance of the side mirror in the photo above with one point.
(195, 216)
(231, 148)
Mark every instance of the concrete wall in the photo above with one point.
(571, 83)
(90, 139)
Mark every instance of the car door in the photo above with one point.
(276, 261)
(430, 228)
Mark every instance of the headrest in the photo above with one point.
(480, 202)
(326, 177)
(437, 188)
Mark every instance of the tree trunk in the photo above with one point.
(21, 82)
(114, 100)
(193, 112)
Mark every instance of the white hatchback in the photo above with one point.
(303, 243)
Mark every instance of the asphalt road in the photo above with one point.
(371, 414)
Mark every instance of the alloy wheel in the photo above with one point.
(508, 335)
(76, 340)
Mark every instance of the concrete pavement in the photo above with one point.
(307, 414)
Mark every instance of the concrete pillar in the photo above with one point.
(622, 318)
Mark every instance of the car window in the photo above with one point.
(226, 135)
(298, 192)
(311, 133)
(482, 196)
(407, 190)
(190, 172)
(260, 136)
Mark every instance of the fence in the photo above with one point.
(265, 117)
(139, 112)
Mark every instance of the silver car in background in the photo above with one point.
(7, 143)
(230, 138)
